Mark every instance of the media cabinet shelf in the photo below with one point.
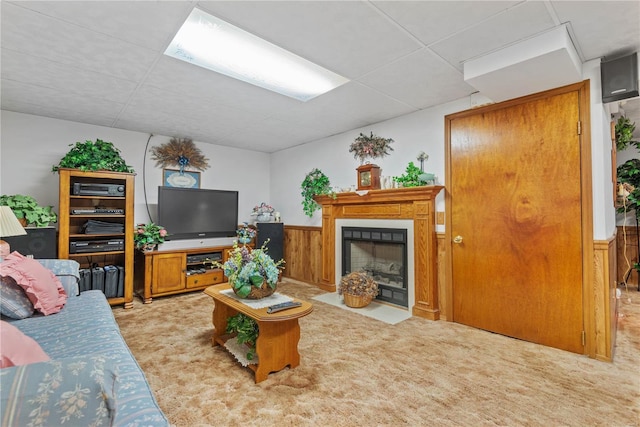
(169, 272)
(70, 224)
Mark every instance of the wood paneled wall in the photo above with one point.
(631, 255)
(303, 253)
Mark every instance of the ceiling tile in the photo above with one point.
(430, 21)
(64, 77)
(150, 24)
(32, 33)
(521, 21)
(597, 37)
(420, 79)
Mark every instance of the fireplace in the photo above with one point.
(411, 208)
(382, 254)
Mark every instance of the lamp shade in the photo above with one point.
(9, 224)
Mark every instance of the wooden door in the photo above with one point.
(516, 229)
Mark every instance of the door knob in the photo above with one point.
(457, 239)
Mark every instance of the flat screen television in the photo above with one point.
(194, 213)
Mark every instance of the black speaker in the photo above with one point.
(39, 242)
(619, 78)
(274, 232)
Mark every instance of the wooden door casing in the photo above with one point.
(515, 199)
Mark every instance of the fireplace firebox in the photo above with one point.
(382, 254)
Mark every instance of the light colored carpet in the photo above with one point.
(375, 310)
(357, 371)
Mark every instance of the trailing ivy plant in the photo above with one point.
(316, 183)
(246, 330)
(93, 156)
(27, 208)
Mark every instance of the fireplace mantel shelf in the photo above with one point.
(427, 192)
(414, 203)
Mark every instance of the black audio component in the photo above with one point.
(619, 78)
(80, 247)
(96, 189)
(196, 258)
(101, 211)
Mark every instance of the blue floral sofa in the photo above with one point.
(92, 377)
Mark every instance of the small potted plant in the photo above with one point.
(245, 233)
(93, 156)
(148, 236)
(252, 274)
(358, 289)
(315, 183)
(28, 211)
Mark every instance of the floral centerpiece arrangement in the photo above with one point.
(262, 212)
(245, 233)
(358, 289)
(372, 146)
(253, 274)
(148, 236)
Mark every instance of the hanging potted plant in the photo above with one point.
(93, 156)
(315, 183)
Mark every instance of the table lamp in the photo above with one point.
(9, 226)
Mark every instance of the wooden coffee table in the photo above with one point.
(277, 345)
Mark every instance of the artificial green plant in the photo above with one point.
(246, 330)
(93, 156)
(27, 208)
(315, 183)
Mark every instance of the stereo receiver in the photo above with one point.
(95, 189)
(81, 247)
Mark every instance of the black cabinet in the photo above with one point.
(274, 232)
(39, 242)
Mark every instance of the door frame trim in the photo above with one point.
(588, 291)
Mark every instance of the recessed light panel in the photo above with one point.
(212, 43)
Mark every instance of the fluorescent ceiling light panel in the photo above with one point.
(212, 43)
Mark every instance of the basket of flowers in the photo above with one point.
(358, 289)
(252, 274)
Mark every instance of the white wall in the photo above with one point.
(604, 218)
(31, 145)
(412, 133)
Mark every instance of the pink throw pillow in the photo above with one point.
(17, 348)
(42, 287)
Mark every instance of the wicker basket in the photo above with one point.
(356, 301)
(257, 293)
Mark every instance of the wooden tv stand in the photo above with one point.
(175, 271)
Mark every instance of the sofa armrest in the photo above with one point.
(67, 271)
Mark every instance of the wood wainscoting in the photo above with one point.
(303, 253)
(604, 300)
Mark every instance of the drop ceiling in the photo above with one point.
(102, 62)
